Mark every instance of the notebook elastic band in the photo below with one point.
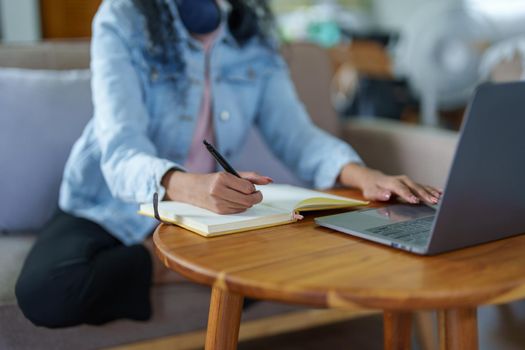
(156, 209)
(156, 206)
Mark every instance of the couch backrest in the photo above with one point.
(310, 68)
(47, 56)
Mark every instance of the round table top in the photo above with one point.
(307, 264)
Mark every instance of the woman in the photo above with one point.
(166, 75)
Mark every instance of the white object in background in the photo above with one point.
(20, 20)
(442, 44)
(507, 16)
(439, 52)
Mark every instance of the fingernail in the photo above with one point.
(414, 200)
(434, 200)
(387, 196)
(296, 216)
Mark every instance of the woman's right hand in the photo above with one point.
(222, 193)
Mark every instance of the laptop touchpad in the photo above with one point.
(399, 213)
(363, 220)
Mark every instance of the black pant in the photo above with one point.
(77, 273)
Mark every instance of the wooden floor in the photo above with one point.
(312, 329)
(363, 334)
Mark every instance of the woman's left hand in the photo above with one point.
(380, 187)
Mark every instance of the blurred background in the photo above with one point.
(392, 77)
(416, 61)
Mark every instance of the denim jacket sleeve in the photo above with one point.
(129, 159)
(314, 155)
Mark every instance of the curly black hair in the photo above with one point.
(248, 19)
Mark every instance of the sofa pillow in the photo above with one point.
(42, 113)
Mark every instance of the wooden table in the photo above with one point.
(306, 264)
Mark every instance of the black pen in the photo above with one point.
(220, 159)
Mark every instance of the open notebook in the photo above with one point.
(280, 203)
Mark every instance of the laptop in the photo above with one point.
(484, 197)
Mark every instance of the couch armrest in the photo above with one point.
(423, 153)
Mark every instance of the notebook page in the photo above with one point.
(287, 197)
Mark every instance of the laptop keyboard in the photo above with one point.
(414, 232)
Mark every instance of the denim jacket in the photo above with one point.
(141, 127)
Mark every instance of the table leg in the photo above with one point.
(458, 329)
(397, 330)
(224, 320)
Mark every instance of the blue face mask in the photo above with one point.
(199, 16)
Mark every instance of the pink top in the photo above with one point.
(199, 159)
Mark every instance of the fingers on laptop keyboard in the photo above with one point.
(425, 193)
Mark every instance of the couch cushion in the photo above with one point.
(43, 113)
(13, 251)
